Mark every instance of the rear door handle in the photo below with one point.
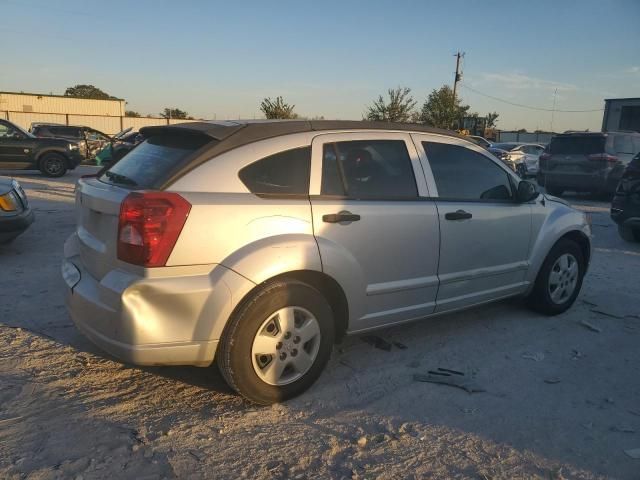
(458, 215)
(340, 217)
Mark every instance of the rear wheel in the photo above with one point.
(53, 165)
(555, 191)
(629, 234)
(559, 280)
(278, 342)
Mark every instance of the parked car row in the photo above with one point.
(55, 149)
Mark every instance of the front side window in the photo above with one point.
(7, 132)
(462, 174)
(368, 169)
(285, 173)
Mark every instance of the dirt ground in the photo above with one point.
(561, 399)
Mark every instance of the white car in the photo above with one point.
(528, 153)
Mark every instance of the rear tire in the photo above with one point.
(554, 279)
(53, 165)
(277, 315)
(555, 191)
(629, 234)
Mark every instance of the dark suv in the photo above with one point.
(91, 141)
(586, 162)
(625, 208)
(21, 150)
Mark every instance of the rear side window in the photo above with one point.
(622, 144)
(153, 160)
(69, 132)
(368, 169)
(462, 174)
(285, 173)
(579, 145)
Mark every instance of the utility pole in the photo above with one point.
(553, 110)
(458, 76)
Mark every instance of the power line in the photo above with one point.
(529, 106)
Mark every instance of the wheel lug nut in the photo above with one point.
(287, 335)
(278, 345)
(296, 339)
(283, 356)
(294, 352)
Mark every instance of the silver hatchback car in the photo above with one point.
(260, 244)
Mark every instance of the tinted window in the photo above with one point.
(463, 174)
(368, 169)
(152, 161)
(584, 145)
(285, 173)
(7, 132)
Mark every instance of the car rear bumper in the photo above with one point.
(165, 320)
(592, 182)
(11, 227)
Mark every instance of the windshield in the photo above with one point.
(153, 160)
(584, 145)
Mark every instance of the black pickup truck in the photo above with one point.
(21, 150)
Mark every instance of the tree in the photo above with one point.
(492, 119)
(441, 111)
(88, 91)
(399, 107)
(175, 113)
(277, 108)
(131, 113)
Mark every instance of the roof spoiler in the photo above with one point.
(216, 131)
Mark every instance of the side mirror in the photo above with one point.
(526, 192)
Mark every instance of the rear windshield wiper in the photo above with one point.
(118, 178)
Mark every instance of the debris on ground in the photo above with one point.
(552, 380)
(576, 354)
(590, 326)
(536, 357)
(362, 442)
(449, 377)
(376, 342)
(633, 453)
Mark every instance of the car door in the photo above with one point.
(14, 151)
(484, 233)
(376, 227)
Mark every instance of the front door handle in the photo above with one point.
(340, 217)
(458, 215)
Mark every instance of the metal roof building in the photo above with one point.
(621, 114)
(41, 103)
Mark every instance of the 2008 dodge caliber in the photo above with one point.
(260, 244)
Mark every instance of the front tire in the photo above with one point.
(277, 343)
(53, 165)
(559, 280)
(629, 234)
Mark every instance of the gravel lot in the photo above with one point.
(561, 399)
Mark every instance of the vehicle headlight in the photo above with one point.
(73, 146)
(9, 202)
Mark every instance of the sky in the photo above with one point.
(329, 58)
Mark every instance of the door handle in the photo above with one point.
(340, 217)
(458, 215)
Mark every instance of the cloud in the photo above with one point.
(519, 81)
(635, 70)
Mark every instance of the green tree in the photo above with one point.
(131, 113)
(277, 109)
(492, 119)
(398, 108)
(441, 111)
(87, 91)
(175, 113)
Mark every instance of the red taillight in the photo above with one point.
(603, 157)
(149, 226)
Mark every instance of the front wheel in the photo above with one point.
(559, 280)
(53, 165)
(629, 234)
(278, 342)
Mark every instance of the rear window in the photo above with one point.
(585, 145)
(152, 161)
